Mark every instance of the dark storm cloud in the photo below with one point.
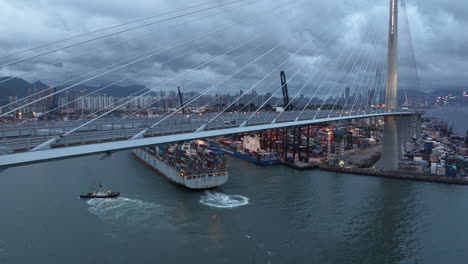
(348, 28)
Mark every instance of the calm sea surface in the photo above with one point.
(261, 215)
(453, 115)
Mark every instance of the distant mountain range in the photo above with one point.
(21, 88)
(114, 90)
(14, 87)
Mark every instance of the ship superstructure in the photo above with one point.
(248, 149)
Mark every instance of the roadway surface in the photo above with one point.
(24, 136)
(112, 139)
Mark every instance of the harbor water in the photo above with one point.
(453, 115)
(261, 215)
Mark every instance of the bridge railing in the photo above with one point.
(109, 130)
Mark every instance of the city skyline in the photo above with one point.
(434, 62)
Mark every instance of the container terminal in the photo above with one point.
(437, 154)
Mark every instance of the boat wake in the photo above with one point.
(118, 208)
(221, 200)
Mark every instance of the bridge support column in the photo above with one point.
(404, 134)
(270, 138)
(418, 128)
(390, 144)
(308, 144)
(295, 143)
(263, 139)
(285, 143)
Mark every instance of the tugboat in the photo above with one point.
(100, 193)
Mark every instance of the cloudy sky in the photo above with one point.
(324, 46)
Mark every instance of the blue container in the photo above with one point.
(428, 146)
(450, 171)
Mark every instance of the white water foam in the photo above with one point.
(221, 200)
(130, 209)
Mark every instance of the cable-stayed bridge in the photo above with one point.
(110, 137)
(342, 82)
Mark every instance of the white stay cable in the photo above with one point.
(48, 143)
(142, 133)
(290, 79)
(153, 54)
(113, 34)
(381, 85)
(103, 29)
(342, 73)
(124, 79)
(365, 69)
(195, 67)
(214, 99)
(374, 82)
(359, 56)
(355, 95)
(92, 52)
(332, 37)
(364, 102)
(90, 73)
(324, 78)
(275, 81)
(236, 57)
(253, 86)
(353, 52)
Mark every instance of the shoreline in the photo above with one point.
(399, 175)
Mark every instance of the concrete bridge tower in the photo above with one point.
(391, 99)
(390, 142)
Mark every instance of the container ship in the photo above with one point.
(194, 164)
(248, 149)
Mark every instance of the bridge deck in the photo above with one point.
(25, 136)
(87, 142)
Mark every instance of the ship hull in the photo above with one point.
(200, 181)
(251, 159)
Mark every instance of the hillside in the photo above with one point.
(19, 87)
(13, 87)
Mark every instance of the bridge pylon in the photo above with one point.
(390, 153)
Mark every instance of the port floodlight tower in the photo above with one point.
(181, 100)
(284, 87)
(390, 157)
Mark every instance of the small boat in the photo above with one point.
(100, 193)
